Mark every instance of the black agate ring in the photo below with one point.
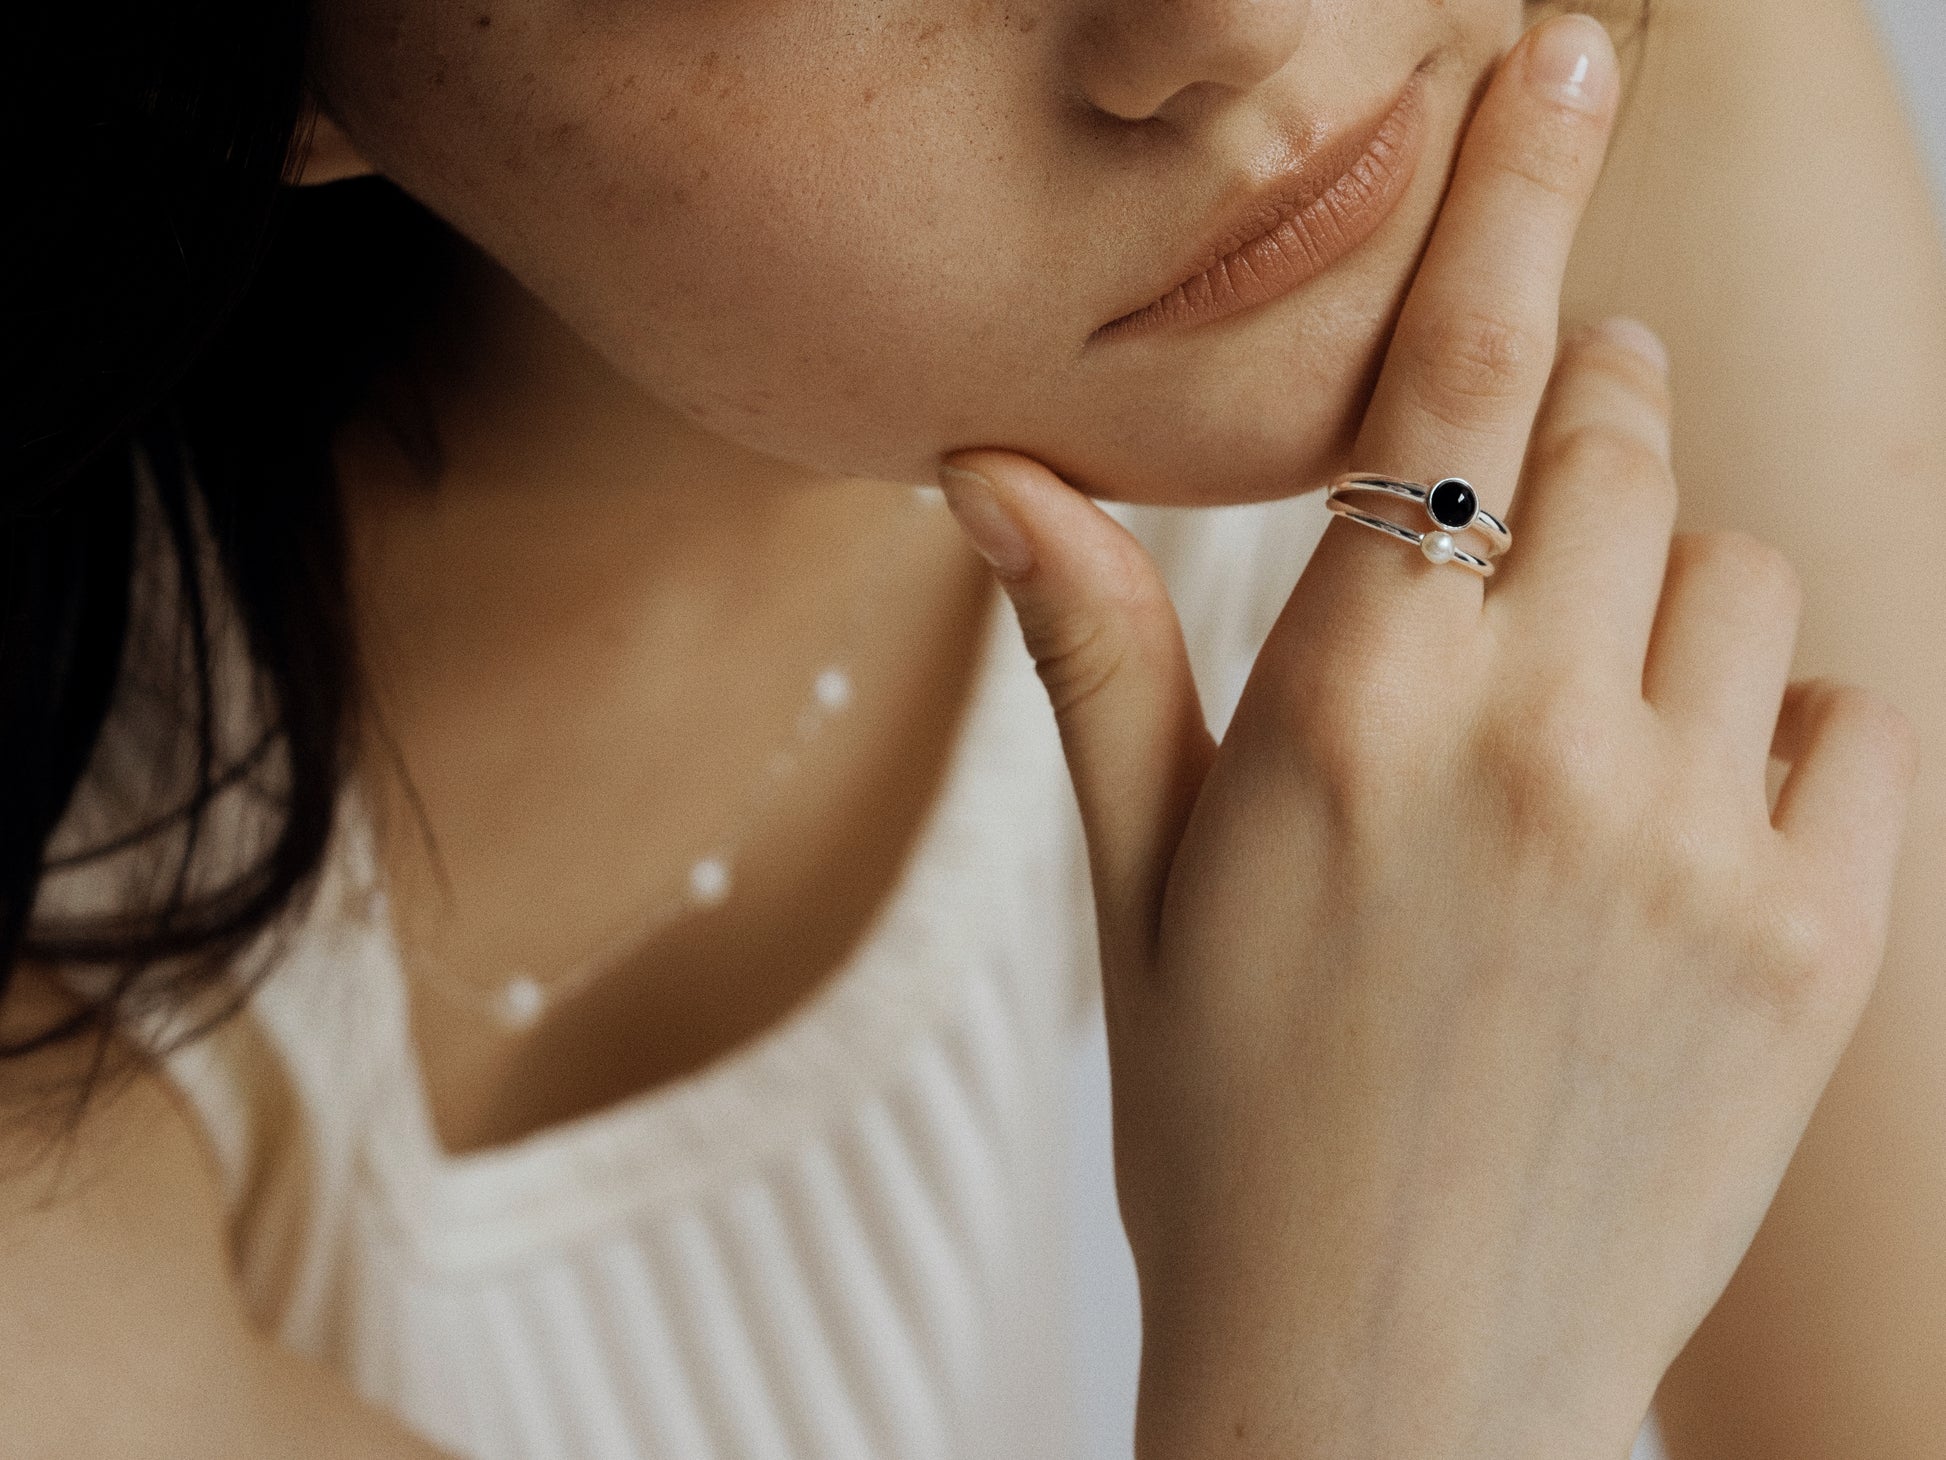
(1451, 503)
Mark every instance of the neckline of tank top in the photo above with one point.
(838, 1047)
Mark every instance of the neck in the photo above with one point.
(568, 482)
(587, 546)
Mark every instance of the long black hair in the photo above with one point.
(186, 331)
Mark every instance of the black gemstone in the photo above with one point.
(1451, 503)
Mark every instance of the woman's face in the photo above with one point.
(858, 234)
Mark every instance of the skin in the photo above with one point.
(853, 237)
(1718, 221)
(1829, 1338)
(677, 359)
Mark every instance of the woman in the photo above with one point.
(1465, 1006)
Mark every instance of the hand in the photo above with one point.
(1466, 1004)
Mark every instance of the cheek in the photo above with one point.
(794, 277)
(857, 262)
(790, 251)
(834, 295)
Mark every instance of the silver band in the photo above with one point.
(1451, 504)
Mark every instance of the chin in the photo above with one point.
(1259, 407)
(1280, 428)
(1263, 406)
(1245, 471)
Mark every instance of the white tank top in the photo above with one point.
(843, 1239)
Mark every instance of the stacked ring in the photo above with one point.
(1451, 504)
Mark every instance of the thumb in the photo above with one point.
(1107, 644)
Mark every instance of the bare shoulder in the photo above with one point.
(35, 1098)
(1765, 207)
(122, 1330)
(112, 1262)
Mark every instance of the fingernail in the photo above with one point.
(985, 522)
(1626, 330)
(1572, 60)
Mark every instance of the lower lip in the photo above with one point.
(1304, 245)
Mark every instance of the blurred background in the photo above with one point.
(1107, 1340)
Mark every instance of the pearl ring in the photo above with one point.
(1450, 502)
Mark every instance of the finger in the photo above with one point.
(1097, 619)
(1474, 346)
(1720, 651)
(1596, 506)
(1853, 756)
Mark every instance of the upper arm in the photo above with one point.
(122, 1331)
(1766, 209)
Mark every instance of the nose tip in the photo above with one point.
(1168, 59)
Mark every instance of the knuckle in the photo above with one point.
(1334, 731)
(1698, 863)
(1794, 949)
(1869, 708)
(1606, 452)
(1470, 361)
(1074, 656)
(1592, 349)
(1352, 739)
(1875, 722)
(1079, 649)
(1550, 756)
(1902, 742)
(1754, 566)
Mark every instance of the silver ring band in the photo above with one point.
(1450, 503)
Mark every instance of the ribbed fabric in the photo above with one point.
(842, 1240)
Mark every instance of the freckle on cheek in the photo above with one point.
(562, 136)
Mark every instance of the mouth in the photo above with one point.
(1276, 232)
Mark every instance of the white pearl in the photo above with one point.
(521, 1000)
(709, 880)
(1437, 546)
(834, 688)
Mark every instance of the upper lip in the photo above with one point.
(1256, 206)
